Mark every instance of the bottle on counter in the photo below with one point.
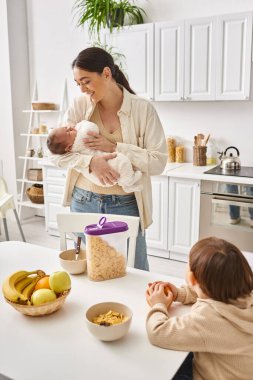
(171, 145)
(211, 153)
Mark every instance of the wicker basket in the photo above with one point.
(34, 174)
(43, 106)
(35, 193)
(44, 309)
(199, 155)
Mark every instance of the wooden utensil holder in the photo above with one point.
(199, 155)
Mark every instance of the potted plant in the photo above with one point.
(101, 13)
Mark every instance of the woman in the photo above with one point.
(128, 125)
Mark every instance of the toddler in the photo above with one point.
(70, 139)
(219, 328)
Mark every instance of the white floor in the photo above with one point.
(34, 231)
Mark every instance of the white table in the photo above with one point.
(59, 346)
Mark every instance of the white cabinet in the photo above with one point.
(184, 60)
(54, 181)
(169, 60)
(199, 78)
(234, 56)
(184, 206)
(136, 44)
(157, 233)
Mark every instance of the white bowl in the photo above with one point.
(71, 264)
(113, 332)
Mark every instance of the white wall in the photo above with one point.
(14, 85)
(54, 41)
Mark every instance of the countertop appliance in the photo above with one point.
(243, 171)
(230, 162)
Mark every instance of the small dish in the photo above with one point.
(70, 264)
(113, 332)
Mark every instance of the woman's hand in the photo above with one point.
(99, 142)
(156, 294)
(100, 167)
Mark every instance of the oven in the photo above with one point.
(226, 211)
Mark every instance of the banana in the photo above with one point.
(9, 285)
(23, 283)
(27, 292)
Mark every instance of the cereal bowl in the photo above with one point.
(71, 264)
(111, 332)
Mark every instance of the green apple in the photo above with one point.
(59, 281)
(41, 296)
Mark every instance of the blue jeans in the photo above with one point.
(234, 211)
(86, 201)
(185, 370)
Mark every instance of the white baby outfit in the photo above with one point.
(129, 178)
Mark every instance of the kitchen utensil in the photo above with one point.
(230, 162)
(195, 141)
(200, 137)
(78, 245)
(205, 140)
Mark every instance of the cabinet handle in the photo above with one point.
(182, 98)
(246, 97)
(63, 175)
(188, 98)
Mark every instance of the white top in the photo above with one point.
(59, 346)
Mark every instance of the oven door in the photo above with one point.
(227, 217)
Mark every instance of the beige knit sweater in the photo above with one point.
(220, 335)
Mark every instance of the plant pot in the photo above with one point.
(115, 18)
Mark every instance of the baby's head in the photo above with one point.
(61, 139)
(220, 269)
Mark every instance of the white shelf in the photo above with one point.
(42, 111)
(31, 205)
(34, 134)
(32, 158)
(29, 181)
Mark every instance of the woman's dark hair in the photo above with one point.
(222, 271)
(95, 59)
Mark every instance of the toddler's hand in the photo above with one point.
(156, 294)
(167, 286)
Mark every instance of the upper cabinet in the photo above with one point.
(169, 61)
(196, 59)
(199, 59)
(233, 56)
(136, 44)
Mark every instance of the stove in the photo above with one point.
(244, 171)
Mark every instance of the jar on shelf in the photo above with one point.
(211, 154)
(171, 145)
(180, 153)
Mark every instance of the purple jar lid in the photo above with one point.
(103, 227)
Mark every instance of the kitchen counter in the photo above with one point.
(188, 170)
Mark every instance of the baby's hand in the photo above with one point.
(156, 293)
(167, 287)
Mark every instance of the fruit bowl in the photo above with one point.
(113, 332)
(44, 309)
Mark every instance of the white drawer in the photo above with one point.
(55, 174)
(52, 189)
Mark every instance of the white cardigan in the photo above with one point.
(143, 143)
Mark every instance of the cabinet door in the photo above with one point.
(200, 59)
(157, 233)
(184, 206)
(234, 56)
(136, 44)
(169, 60)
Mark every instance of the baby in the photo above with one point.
(70, 139)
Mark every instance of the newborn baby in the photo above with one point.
(70, 139)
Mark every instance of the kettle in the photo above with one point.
(230, 162)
